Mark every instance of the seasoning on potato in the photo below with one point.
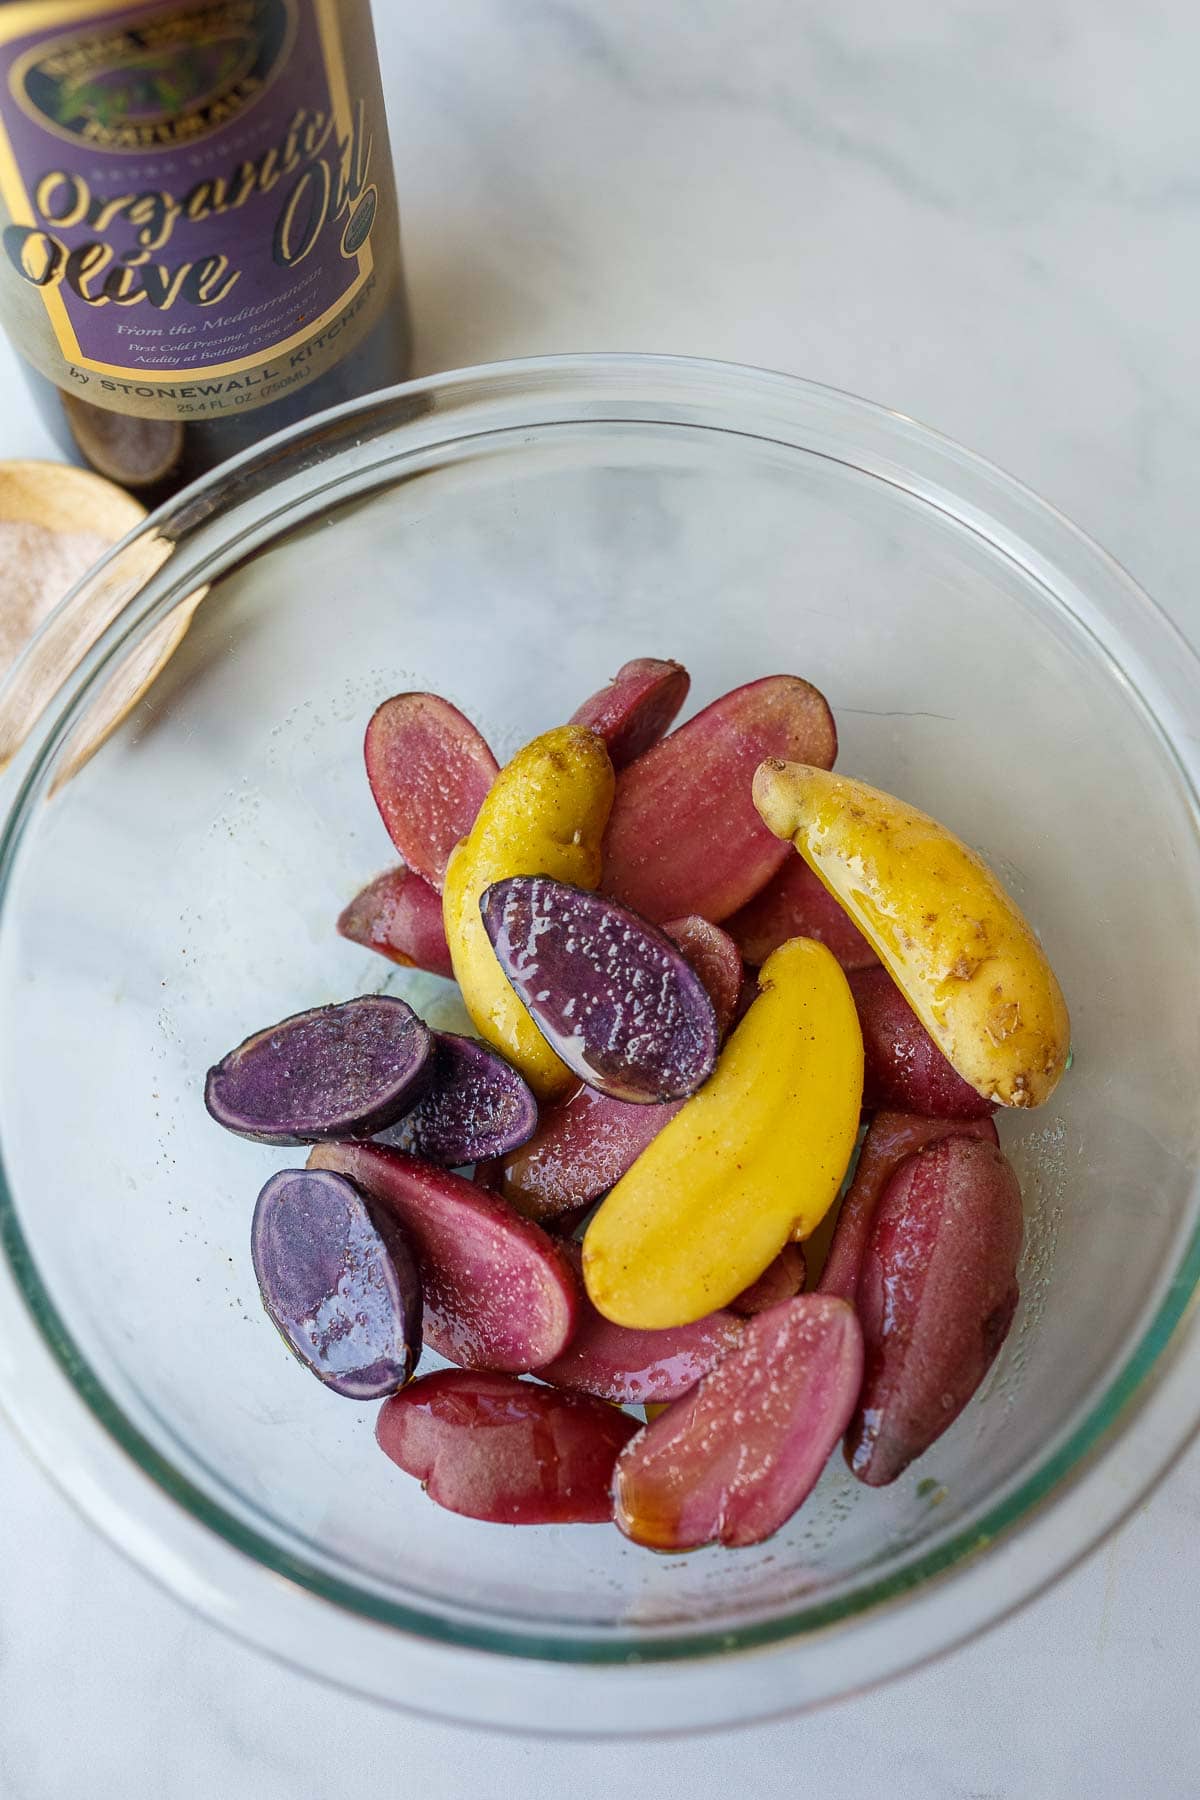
(699, 1126)
(956, 944)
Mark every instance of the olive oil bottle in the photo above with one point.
(199, 240)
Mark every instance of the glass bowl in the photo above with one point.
(508, 536)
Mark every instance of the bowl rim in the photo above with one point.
(40, 1338)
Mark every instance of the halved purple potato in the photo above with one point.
(499, 1293)
(636, 708)
(476, 1107)
(338, 1281)
(613, 996)
(335, 1072)
(506, 1451)
(585, 1143)
(400, 916)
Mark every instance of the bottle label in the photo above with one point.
(189, 192)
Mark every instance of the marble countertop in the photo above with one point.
(986, 215)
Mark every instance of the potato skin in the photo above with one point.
(684, 836)
(636, 708)
(904, 1069)
(399, 915)
(493, 1448)
(544, 815)
(892, 1137)
(957, 946)
(732, 1460)
(936, 1295)
(429, 771)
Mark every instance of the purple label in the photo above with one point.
(187, 185)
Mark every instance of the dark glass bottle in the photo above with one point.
(200, 239)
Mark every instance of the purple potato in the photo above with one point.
(338, 1281)
(335, 1072)
(477, 1107)
(612, 995)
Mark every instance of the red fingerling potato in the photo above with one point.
(780, 1280)
(400, 916)
(637, 707)
(684, 835)
(633, 1367)
(904, 1069)
(731, 1462)
(891, 1136)
(795, 903)
(498, 1293)
(716, 960)
(506, 1451)
(936, 1296)
(429, 771)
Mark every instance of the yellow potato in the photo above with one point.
(545, 815)
(754, 1158)
(955, 943)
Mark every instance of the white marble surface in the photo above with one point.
(987, 214)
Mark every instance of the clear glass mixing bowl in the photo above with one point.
(508, 536)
